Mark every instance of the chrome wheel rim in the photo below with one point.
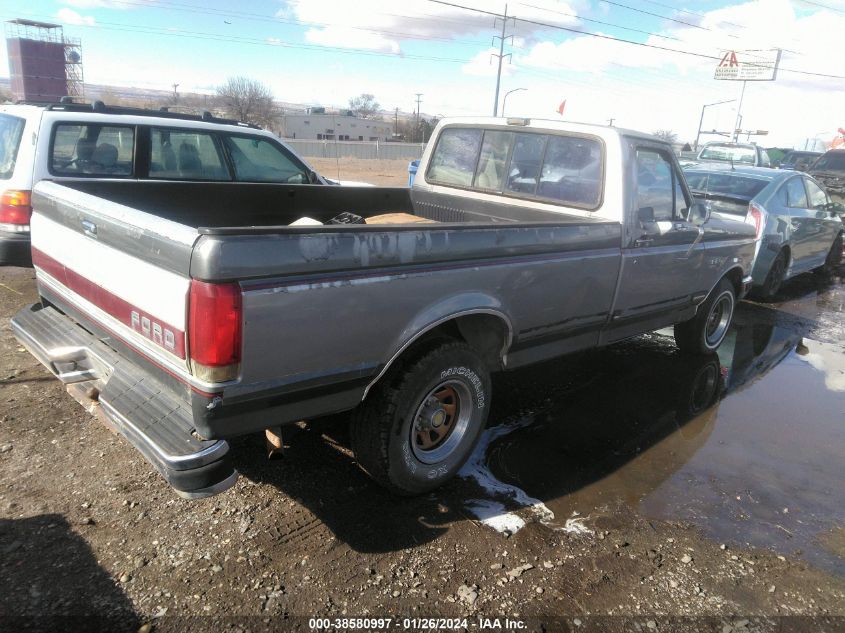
(718, 320)
(441, 421)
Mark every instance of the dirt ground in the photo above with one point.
(392, 173)
(93, 539)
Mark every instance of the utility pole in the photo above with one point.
(175, 94)
(501, 56)
(396, 123)
(417, 124)
(739, 114)
(610, 121)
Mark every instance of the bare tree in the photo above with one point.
(247, 100)
(667, 135)
(364, 106)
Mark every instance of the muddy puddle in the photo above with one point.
(747, 444)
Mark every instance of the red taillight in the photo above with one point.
(214, 330)
(755, 218)
(15, 207)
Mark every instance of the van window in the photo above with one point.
(572, 171)
(259, 160)
(11, 131)
(92, 150)
(185, 155)
(454, 158)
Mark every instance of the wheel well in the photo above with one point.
(734, 275)
(487, 334)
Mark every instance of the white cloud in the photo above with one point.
(348, 37)
(484, 64)
(69, 16)
(384, 25)
(107, 4)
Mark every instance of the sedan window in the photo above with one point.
(818, 198)
(796, 196)
(260, 160)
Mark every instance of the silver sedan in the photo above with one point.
(798, 229)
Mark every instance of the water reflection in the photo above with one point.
(746, 444)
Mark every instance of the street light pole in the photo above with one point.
(505, 98)
(701, 119)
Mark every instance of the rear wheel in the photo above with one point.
(834, 256)
(419, 425)
(774, 280)
(703, 333)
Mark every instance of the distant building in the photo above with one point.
(345, 126)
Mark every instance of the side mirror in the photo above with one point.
(645, 215)
(699, 213)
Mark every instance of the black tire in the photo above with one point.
(395, 430)
(774, 280)
(834, 256)
(703, 333)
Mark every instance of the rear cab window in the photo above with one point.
(90, 149)
(11, 132)
(564, 169)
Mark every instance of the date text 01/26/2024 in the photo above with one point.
(385, 624)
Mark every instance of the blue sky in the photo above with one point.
(324, 51)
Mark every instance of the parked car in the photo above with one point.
(798, 160)
(829, 170)
(734, 153)
(797, 227)
(66, 141)
(220, 313)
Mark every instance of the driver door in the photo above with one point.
(662, 253)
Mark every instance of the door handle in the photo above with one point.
(89, 228)
(643, 241)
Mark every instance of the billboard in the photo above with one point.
(37, 69)
(758, 65)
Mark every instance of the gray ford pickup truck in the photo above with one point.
(185, 313)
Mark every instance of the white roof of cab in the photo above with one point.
(554, 125)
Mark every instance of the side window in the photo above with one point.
(796, 197)
(490, 173)
(526, 160)
(260, 160)
(185, 155)
(92, 150)
(454, 159)
(818, 197)
(572, 171)
(681, 202)
(655, 186)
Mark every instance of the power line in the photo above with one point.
(662, 17)
(823, 6)
(141, 29)
(585, 19)
(631, 42)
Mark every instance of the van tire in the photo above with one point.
(421, 421)
(703, 333)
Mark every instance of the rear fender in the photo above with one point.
(449, 309)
